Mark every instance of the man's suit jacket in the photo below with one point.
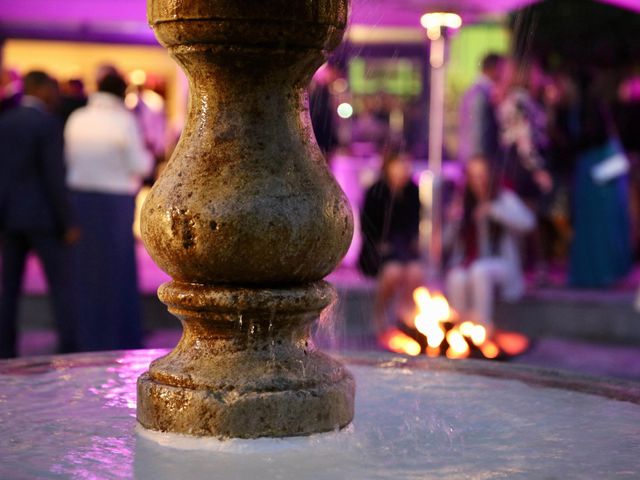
(33, 194)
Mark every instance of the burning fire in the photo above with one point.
(398, 342)
(436, 331)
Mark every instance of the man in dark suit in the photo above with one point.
(34, 211)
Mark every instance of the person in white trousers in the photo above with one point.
(486, 255)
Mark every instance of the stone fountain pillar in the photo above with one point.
(247, 220)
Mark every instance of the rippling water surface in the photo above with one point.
(74, 417)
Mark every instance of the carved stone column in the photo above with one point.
(247, 220)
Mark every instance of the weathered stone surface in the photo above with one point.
(247, 220)
(247, 198)
(244, 366)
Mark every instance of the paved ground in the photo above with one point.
(571, 355)
(585, 357)
(593, 332)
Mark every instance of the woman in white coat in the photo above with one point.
(486, 251)
(106, 161)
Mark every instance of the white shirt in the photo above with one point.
(104, 148)
(516, 219)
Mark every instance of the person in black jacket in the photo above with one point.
(34, 209)
(390, 222)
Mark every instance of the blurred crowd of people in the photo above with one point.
(550, 168)
(372, 121)
(549, 175)
(70, 168)
(556, 143)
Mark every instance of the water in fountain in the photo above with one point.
(410, 423)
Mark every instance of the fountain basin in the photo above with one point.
(74, 417)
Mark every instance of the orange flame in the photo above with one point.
(435, 338)
(458, 346)
(478, 335)
(451, 353)
(422, 297)
(399, 342)
(440, 308)
(511, 343)
(433, 352)
(432, 311)
(466, 328)
(489, 350)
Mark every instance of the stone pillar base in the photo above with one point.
(254, 414)
(245, 366)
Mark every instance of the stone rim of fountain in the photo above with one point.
(611, 388)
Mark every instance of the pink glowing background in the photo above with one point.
(125, 20)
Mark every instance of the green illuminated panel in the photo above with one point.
(396, 76)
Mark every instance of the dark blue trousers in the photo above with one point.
(53, 255)
(104, 273)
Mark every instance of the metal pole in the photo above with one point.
(433, 180)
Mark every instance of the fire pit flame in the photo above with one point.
(490, 350)
(398, 342)
(436, 330)
(458, 346)
(478, 335)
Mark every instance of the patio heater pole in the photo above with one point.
(431, 181)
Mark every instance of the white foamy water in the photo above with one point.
(75, 418)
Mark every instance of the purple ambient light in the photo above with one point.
(125, 21)
(407, 13)
(633, 5)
